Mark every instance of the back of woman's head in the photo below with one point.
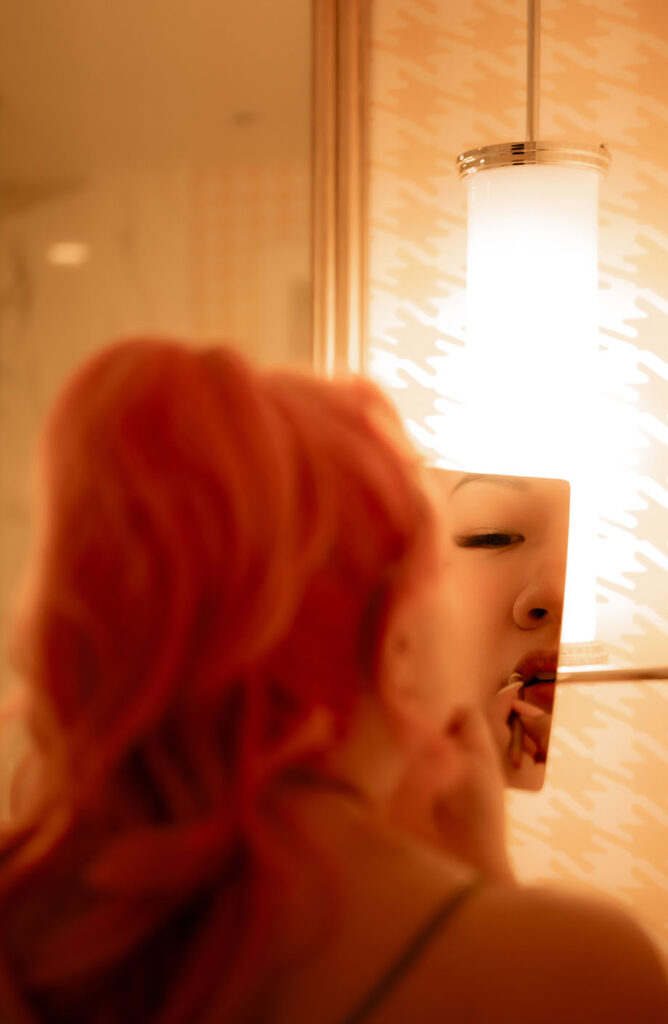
(209, 530)
(220, 550)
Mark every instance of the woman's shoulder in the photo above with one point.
(419, 937)
(515, 953)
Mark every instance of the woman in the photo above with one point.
(507, 539)
(237, 682)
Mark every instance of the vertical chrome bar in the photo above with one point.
(339, 174)
(533, 68)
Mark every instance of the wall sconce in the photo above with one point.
(531, 332)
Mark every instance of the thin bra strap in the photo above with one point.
(412, 951)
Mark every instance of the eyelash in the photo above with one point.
(488, 539)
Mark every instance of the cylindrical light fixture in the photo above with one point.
(532, 322)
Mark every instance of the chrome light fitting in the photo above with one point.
(533, 150)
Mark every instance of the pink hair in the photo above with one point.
(222, 548)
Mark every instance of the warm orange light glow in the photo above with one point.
(531, 342)
(68, 254)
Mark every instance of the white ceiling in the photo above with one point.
(86, 85)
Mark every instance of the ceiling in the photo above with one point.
(89, 85)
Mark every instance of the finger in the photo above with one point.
(512, 686)
(539, 730)
(501, 704)
(526, 710)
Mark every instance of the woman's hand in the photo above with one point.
(521, 730)
(452, 796)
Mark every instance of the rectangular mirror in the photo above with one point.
(506, 541)
(155, 178)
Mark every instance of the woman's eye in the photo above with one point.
(488, 539)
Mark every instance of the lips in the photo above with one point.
(538, 666)
(538, 669)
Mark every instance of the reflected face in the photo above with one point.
(488, 620)
(496, 609)
(505, 542)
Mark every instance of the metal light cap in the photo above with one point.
(512, 154)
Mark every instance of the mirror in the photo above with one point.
(506, 540)
(155, 177)
(191, 168)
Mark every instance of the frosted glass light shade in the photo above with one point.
(531, 343)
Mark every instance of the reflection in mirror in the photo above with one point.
(155, 175)
(506, 542)
(155, 170)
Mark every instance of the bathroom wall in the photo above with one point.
(446, 77)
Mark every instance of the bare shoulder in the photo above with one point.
(522, 954)
(569, 957)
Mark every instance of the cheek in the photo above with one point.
(484, 591)
(451, 645)
(478, 625)
(437, 675)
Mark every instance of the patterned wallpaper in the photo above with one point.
(449, 76)
(249, 274)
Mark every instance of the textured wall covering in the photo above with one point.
(250, 275)
(450, 76)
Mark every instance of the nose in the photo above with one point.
(540, 603)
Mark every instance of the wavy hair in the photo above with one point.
(221, 549)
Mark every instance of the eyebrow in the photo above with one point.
(515, 483)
